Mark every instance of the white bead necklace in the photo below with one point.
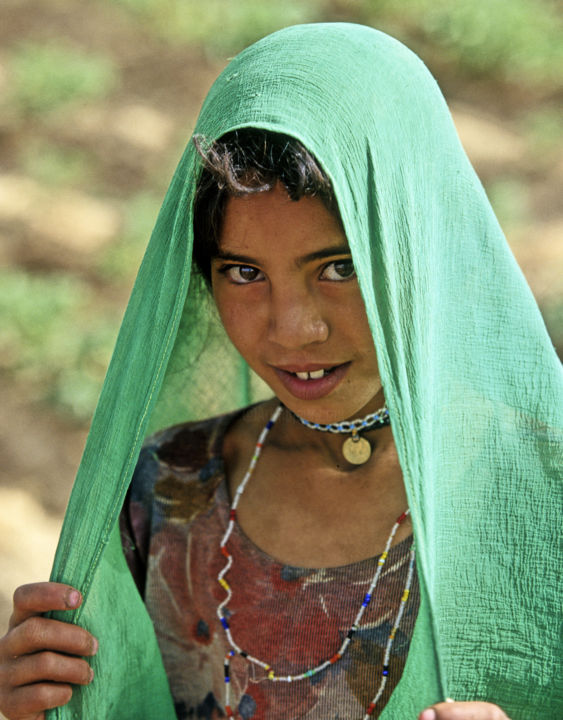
(271, 674)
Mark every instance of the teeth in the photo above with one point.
(314, 375)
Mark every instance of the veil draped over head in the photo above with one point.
(471, 379)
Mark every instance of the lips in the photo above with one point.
(311, 382)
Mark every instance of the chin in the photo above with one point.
(330, 411)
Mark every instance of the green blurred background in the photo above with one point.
(97, 100)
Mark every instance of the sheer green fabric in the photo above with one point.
(471, 379)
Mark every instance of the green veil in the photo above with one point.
(472, 382)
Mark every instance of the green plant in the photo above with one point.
(544, 130)
(55, 165)
(221, 26)
(519, 40)
(510, 199)
(50, 76)
(120, 261)
(55, 340)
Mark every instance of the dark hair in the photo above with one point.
(248, 161)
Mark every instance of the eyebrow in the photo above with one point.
(303, 260)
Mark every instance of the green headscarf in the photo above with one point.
(471, 379)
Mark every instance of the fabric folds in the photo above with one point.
(472, 382)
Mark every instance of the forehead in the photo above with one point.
(272, 217)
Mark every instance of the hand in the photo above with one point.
(451, 710)
(38, 656)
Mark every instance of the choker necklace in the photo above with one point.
(271, 675)
(356, 449)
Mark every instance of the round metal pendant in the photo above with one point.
(356, 450)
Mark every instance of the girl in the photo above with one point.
(264, 562)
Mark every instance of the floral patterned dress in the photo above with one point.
(174, 518)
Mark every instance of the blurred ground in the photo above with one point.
(80, 183)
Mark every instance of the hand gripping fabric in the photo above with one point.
(471, 380)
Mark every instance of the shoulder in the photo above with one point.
(176, 476)
(188, 447)
(180, 467)
(189, 452)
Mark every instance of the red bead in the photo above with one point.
(229, 711)
(370, 709)
(225, 552)
(233, 514)
(335, 658)
(401, 517)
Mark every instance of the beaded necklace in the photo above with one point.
(356, 449)
(271, 674)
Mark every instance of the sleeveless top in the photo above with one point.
(172, 523)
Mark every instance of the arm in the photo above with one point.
(40, 658)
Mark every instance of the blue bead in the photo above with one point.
(224, 623)
(269, 424)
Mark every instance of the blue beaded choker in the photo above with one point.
(356, 450)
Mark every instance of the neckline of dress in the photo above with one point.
(222, 502)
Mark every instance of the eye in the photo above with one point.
(338, 270)
(241, 274)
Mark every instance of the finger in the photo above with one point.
(29, 701)
(43, 667)
(38, 598)
(39, 633)
(463, 711)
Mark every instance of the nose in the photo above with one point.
(296, 318)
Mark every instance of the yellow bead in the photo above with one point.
(224, 584)
(271, 675)
(405, 596)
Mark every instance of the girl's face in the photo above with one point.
(287, 295)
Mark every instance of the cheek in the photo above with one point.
(237, 321)
(353, 317)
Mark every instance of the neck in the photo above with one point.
(324, 449)
(301, 486)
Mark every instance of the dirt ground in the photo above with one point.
(135, 135)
